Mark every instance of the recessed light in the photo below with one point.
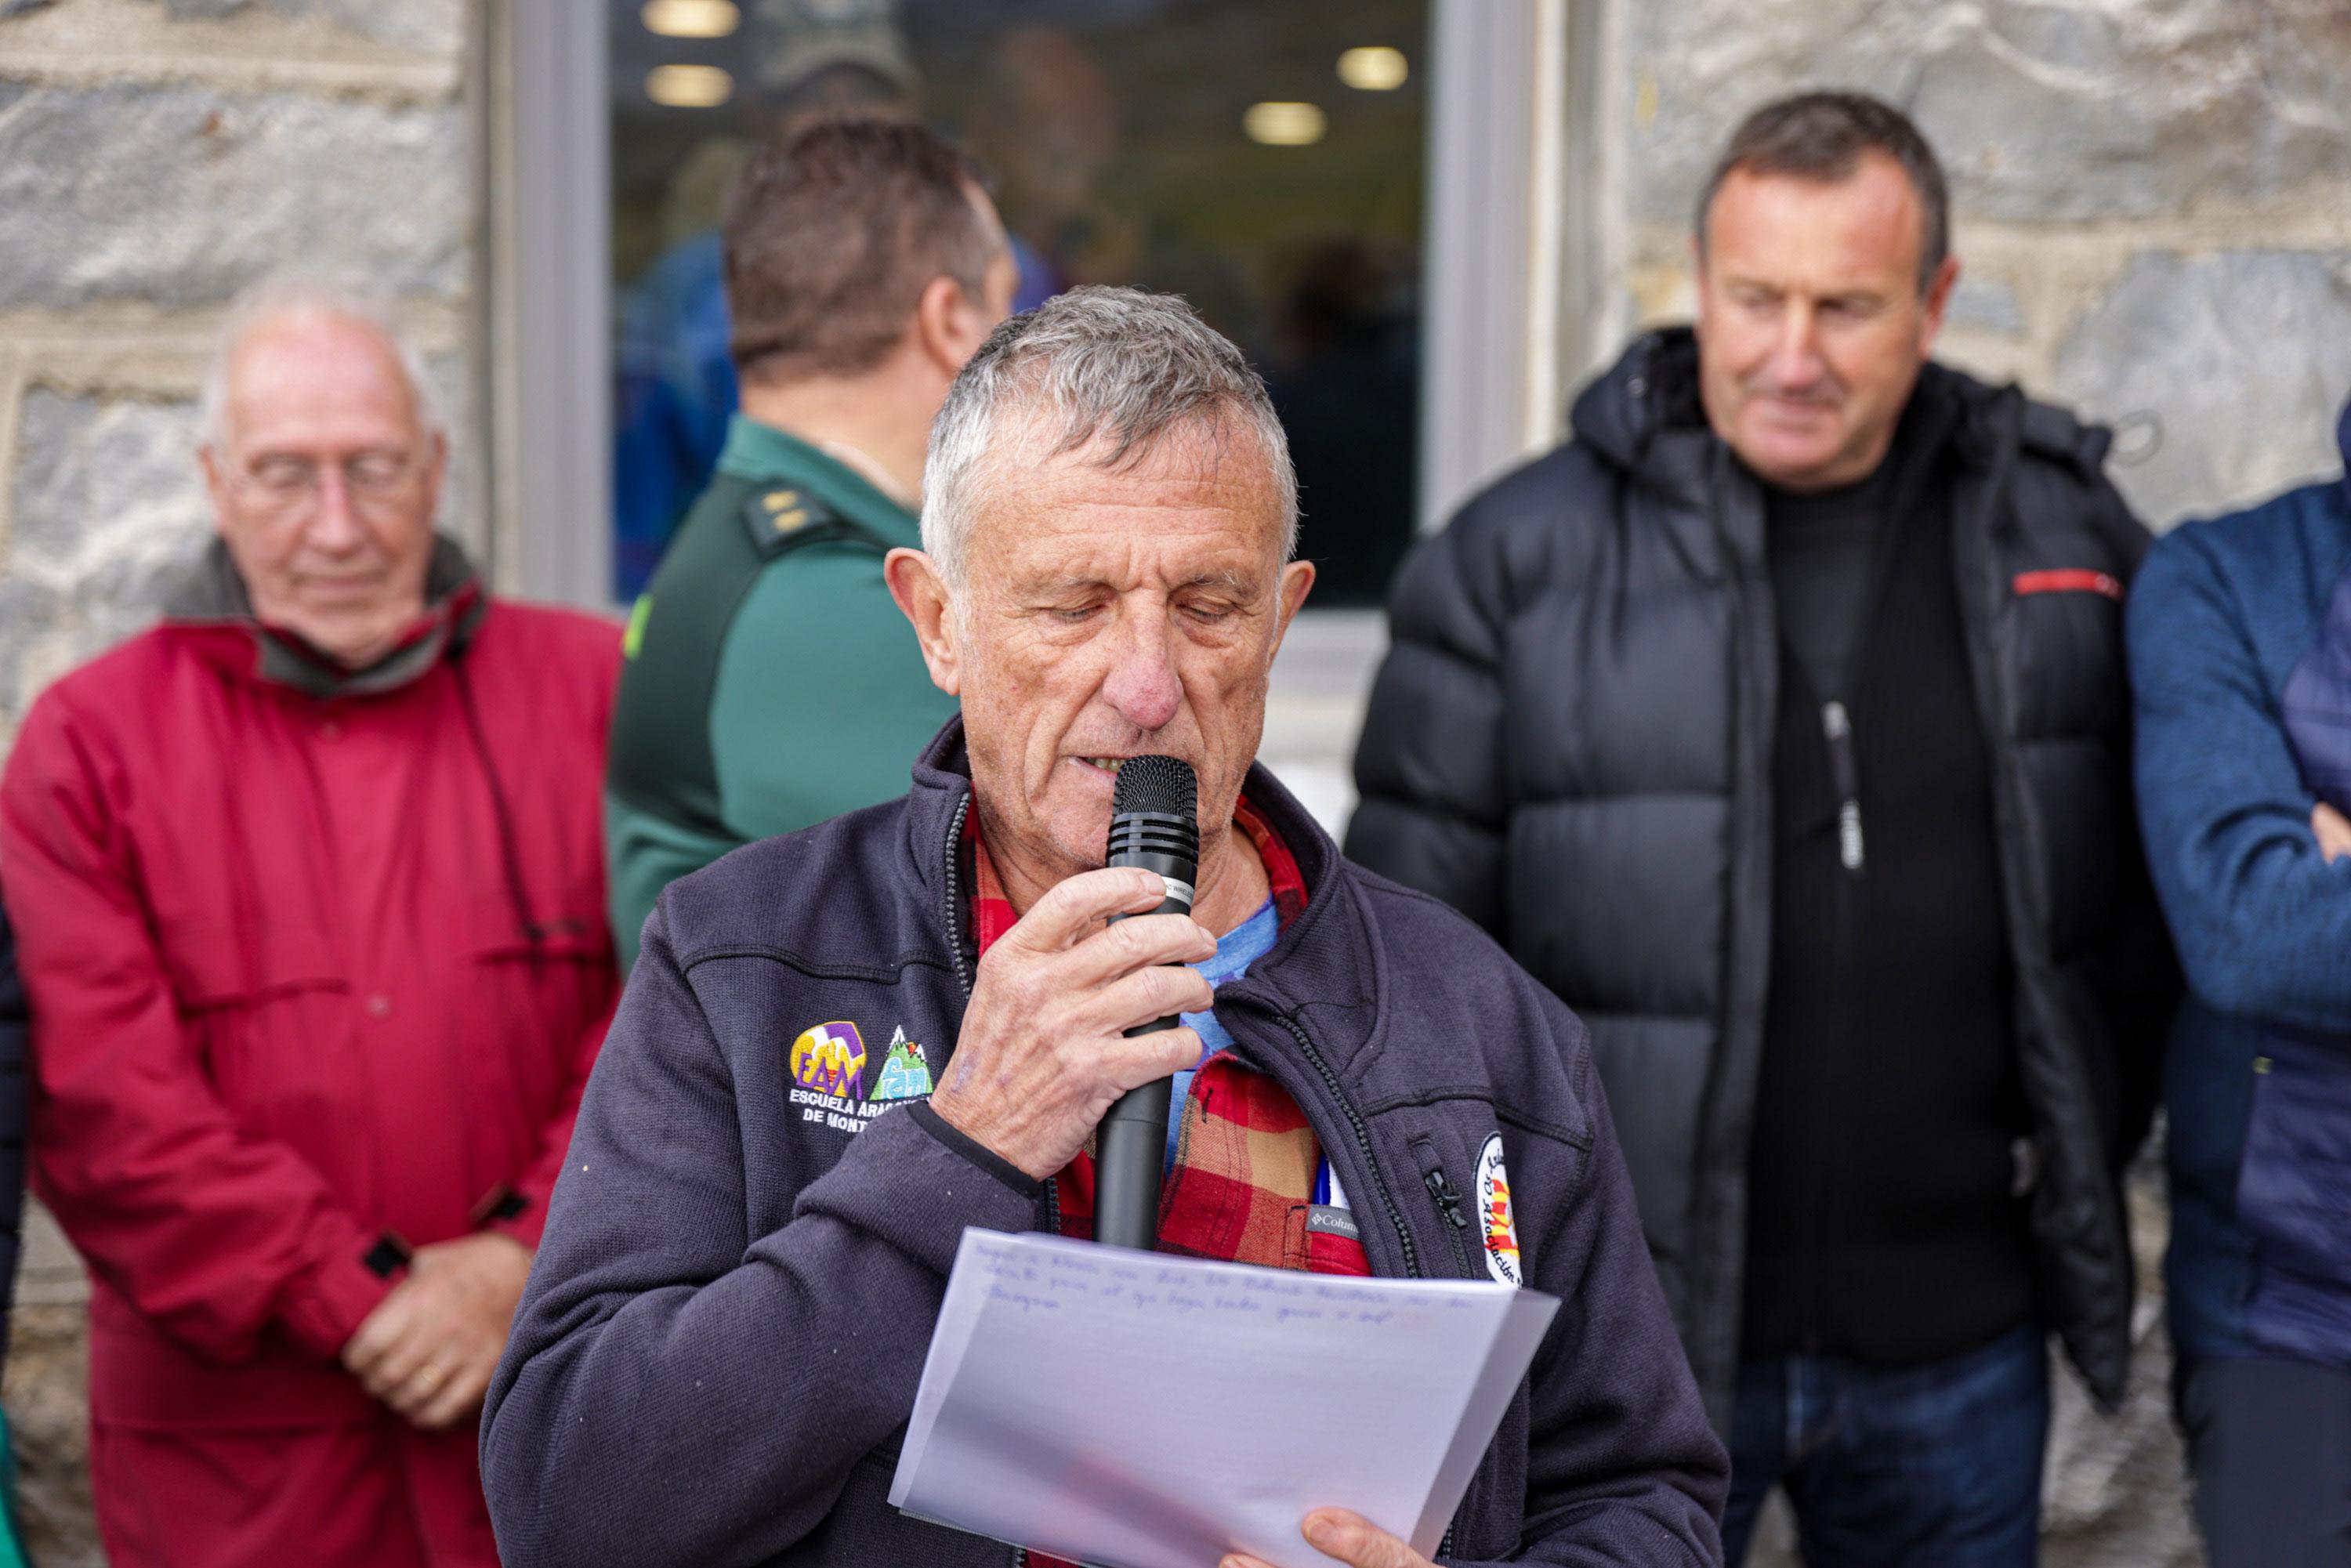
(692, 18)
(1376, 68)
(689, 87)
(1278, 124)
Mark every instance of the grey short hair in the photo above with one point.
(325, 294)
(1106, 364)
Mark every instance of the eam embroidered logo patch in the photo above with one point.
(830, 1060)
(1499, 1227)
(828, 1066)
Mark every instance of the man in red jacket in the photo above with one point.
(308, 883)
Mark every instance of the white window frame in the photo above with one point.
(549, 322)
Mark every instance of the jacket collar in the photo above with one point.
(1320, 957)
(1643, 415)
(215, 604)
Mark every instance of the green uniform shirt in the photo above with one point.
(770, 682)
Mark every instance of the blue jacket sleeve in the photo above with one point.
(666, 1363)
(2262, 921)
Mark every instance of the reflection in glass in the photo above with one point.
(1125, 146)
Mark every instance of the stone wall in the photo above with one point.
(2153, 216)
(155, 155)
(2152, 201)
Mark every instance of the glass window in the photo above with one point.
(1264, 161)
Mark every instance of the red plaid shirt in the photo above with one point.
(1246, 1160)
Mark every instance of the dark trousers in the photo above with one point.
(2270, 1446)
(1934, 1465)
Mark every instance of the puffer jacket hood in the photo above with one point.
(1643, 415)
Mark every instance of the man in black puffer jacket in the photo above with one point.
(1779, 723)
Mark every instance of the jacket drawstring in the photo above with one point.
(509, 852)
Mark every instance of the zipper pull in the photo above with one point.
(1449, 1197)
(1837, 724)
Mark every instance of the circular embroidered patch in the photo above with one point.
(1500, 1231)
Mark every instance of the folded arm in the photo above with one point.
(2261, 918)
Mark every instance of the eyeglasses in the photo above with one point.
(286, 486)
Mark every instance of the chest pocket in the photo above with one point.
(266, 1012)
(213, 970)
(565, 928)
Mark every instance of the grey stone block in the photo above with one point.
(2055, 108)
(2223, 374)
(182, 195)
(1987, 305)
(427, 27)
(109, 511)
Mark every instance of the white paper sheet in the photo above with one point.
(1141, 1411)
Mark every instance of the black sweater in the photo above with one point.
(1881, 1223)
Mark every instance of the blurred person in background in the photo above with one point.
(1778, 723)
(309, 887)
(2241, 660)
(675, 387)
(1346, 383)
(770, 682)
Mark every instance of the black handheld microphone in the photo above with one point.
(1154, 825)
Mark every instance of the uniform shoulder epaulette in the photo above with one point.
(783, 517)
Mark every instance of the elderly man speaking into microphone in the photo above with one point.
(842, 1047)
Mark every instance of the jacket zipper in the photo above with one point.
(1836, 722)
(1836, 726)
(1449, 1199)
(1363, 1140)
(1387, 1201)
(964, 980)
(954, 896)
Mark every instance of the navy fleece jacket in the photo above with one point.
(719, 1346)
(2240, 633)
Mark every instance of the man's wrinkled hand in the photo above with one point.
(1043, 1052)
(430, 1346)
(1348, 1538)
(2333, 831)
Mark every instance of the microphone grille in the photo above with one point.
(1161, 785)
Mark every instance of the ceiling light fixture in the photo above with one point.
(691, 18)
(1277, 124)
(1376, 68)
(689, 87)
